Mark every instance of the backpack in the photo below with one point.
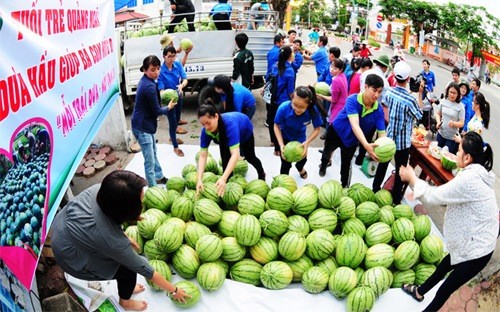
(270, 91)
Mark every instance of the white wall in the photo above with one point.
(113, 131)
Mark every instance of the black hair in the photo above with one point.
(466, 85)
(283, 57)
(339, 64)
(309, 94)
(374, 80)
(170, 49)
(355, 49)
(484, 108)
(335, 51)
(356, 63)
(119, 196)
(241, 40)
(457, 88)
(292, 31)
(323, 40)
(426, 61)
(148, 61)
(366, 62)
(224, 82)
(278, 38)
(481, 153)
(455, 70)
(298, 41)
(477, 81)
(207, 108)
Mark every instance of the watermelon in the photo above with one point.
(154, 197)
(350, 250)
(431, 249)
(292, 246)
(168, 237)
(359, 273)
(246, 271)
(148, 225)
(273, 223)
(354, 225)
(406, 255)
(209, 247)
(377, 233)
(239, 179)
(305, 200)
(210, 192)
(386, 215)
(329, 264)
(448, 160)
(368, 212)
(422, 225)
(206, 211)
(320, 244)
(329, 194)
(286, 181)
(323, 219)
(191, 290)
(241, 167)
(313, 186)
(188, 168)
(360, 299)
(191, 180)
(383, 198)
(385, 150)
(176, 184)
(247, 230)
(211, 165)
(185, 44)
(322, 88)
(403, 277)
(194, 231)
(251, 204)
(231, 250)
(402, 211)
(280, 198)
(379, 255)
(171, 197)
(182, 208)
(423, 271)
(258, 187)
(162, 268)
(342, 281)
(223, 264)
(346, 209)
(157, 213)
(133, 233)
(298, 224)
(191, 195)
(179, 223)
(402, 230)
(227, 221)
(153, 252)
(168, 95)
(379, 279)
(185, 261)
(265, 250)
(209, 177)
(293, 151)
(276, 275)
(211, 276)
(232, 194)
(315, 280)
(360, 193)
(299, 266)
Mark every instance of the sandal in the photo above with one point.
(181, 130)
(182, 122)
(412, 291)
(179, 152)
(303, 174)
(179, 141)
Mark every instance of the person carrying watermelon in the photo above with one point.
(361, 115)
(232, 131)
(290, 124)
(470, 226)
(89, 243)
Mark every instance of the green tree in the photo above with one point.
(317, 16)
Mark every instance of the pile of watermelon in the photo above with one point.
(353, 242)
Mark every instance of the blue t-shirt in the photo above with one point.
(223, 8)
(320, 58)
(147, 106)
(272, 58)
(286, 83)
(170, 79)
(242, 97)
(326, 76)
(368, 119)
(469, 112)
(430, 81)
(239, 129)
(293, 127)
(297, 62)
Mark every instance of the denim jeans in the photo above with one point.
(152, 168)
(174, 116)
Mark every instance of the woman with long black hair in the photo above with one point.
(235, 97)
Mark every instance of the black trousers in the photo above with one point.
(221, 21)
(285, 165)
(126, 280)
(460, 274)
(362, 150)
(178, 18)
(271, 113)
(332, 142)
(248, 149)
(401, 159)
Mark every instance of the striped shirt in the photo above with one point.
(403, 109)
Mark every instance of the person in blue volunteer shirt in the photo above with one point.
(173, 76)
(235, 97)
(273, 53)
(290, 124)
(320, 57)
(361, 114)
(430, 78)
(144, 118)
(221, 14)
(326, 76)
(298, 59)
(232, 131)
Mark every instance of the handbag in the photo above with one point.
(389, 183)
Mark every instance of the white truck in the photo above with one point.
(212, 53)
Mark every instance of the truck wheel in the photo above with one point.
(208, 92)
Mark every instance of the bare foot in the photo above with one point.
(134, 305)
(138, 288)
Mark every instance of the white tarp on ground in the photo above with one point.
(235, 296)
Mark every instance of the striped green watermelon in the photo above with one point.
(329, 194)
(360, 299)
(191, 290)
(323, 218)
(379, 279)
(276, 275)
(346, 209)
(176, 184)
(305, 200)
(422, 225)
(360, 193)
(313, 186)
(377, 233)
(153, 252)
(232, 194)
(406, 255)
(280, 198)
(383, 198)
(179, 223)
(247, 230)
(359, 273)
(231, 250)
(329, 264)
(258, 187)
(211, 165)
(236, 178)
(210, 192)
(299, 266)
(320, 244)
(148, 225)
(368, 212)
(385, 149)
(315, 280)
(298, 224)
(403, 277)
(163, 269)
(154, 197)
(133, 233)
(379, 255)
(386, 215)
(286, 181)
(423, 271)
(191, 180)
(350, 250)
(188, 168)
(354, 225)
(211, 276)
(265, 250)
(293, 151)
(194, 231)
(273, 223)
(224, 264)
(182, 208)
(241, 167)
(157, 213)
(207, 212)
(402, 211)
(168, 237)
(209, 177)
(431, 249)
(171, 197)
(246, 271)
(185, 261)
(227, 221)
(342, 281)
(448, 160)
(251, 204)
(209, 247)
(402, 230)
(292, 246)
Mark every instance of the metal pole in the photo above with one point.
(367, 28)
(309, 16)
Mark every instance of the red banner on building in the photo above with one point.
(492, 58)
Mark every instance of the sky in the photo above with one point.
(492, 6)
